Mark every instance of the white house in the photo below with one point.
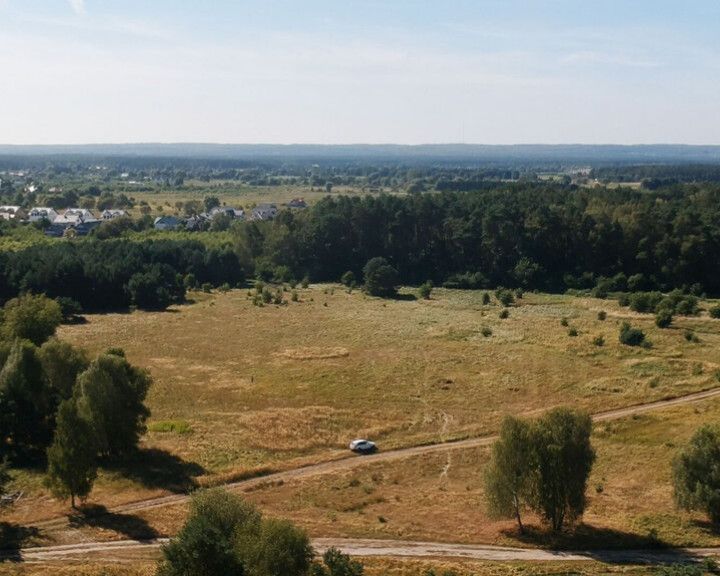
(264, 212)
(42, 213)
(166, 223)
(74, 216)
(112, 214)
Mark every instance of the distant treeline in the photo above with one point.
(655, 176)
(535, 236)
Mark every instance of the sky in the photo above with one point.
(360, 71)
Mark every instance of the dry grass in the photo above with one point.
(276, 386)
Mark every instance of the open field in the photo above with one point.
(241, 389)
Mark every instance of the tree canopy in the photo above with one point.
(696, 473)
(542, 465)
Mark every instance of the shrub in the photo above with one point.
(504, 313)
(486, 332)
(663, 318)
(486, 299)
(645, 302)
(425, 290)
(631, 336)
(305, 282)
(564, 322)
(225, 287)
(602, 315)
(599, 341)
(294, 296)
(572, 332)
(715, 311)
(348, 279)
(624, 299)
(207, 287)
(505, 297)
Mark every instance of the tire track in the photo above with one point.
(353, 462)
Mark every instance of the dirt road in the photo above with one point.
(352, 461)
(132, 551)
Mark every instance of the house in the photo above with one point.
(195, 222)
(12, 213)
(165, 223)
(112, 214)
(297, 203)
(73, 216)
(234, 213)
(55, 231)
(42, 213)
(264, 212)
(83, 228)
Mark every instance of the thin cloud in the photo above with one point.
(78, 6)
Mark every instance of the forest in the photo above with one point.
(530, 235)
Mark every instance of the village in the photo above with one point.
(76, 221)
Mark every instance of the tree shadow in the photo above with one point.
(605, 545)
(402, 297)
(155, 468)
(13, 538)
(97, 516)
(586, 537)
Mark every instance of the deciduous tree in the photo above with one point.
(72, 466)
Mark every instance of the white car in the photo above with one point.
(362, 446)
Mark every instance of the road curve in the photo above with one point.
(133, 550)
(351, 462)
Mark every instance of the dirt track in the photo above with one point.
(352, 461)
(131, 551)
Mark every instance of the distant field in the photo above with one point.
(239, 389)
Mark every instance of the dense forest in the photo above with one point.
(530, 235)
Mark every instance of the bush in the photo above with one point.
(599, 341)
(663, 318)
(294, 296)
(486, 299)
(645, 302)
(572, 332)
(381, 279)
(715, 311)
(504, 313)
(624, 299)
(348, 279)
(631, 336)
(564, 322)
(602, 315)
(207, 287)
(505, 297)
(425, 290)
(486, 332)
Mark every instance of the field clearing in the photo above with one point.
(239, 389)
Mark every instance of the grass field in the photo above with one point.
(239, 389)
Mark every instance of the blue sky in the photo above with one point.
(360, 71)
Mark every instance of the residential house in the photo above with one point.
(74, 216)
(195, 222)
(112, 214)
(12, 213)
(166, 223)
(297, 203)
(234, 213)
(264, 212)
(42, 213)
(83, 228)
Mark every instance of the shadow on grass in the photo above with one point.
(155, 468)
(98, 516)
(606, 545)
(12, 539)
